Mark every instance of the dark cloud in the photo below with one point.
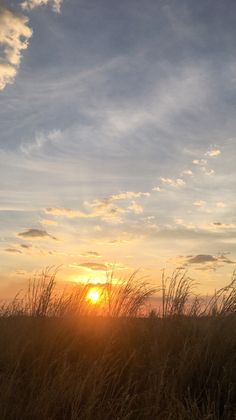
(201, 259)
(35, 234)
(13, 250)
(226, 260)
(93, 266)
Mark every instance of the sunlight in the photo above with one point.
(94, 295)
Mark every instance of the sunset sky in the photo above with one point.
(117, 139)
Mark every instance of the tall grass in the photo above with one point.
(58, 360)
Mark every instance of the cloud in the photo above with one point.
(220, 205)
(187, 172)
(208, 171)
(224, 225)
(205, 259)
(64, 212)
(213, 153)
(129, 195)
(14, 36)
(199, 203)
(35, 234)
(91, 254)
(156, 189)
(91, 266)
(13, 250)
(202, 259)
(32, 4)
(200, 162)
(40, 140)
(173, 182)
(48, 222)
(225, 259)
(186, 225)
(120, 241)
(106, 210)
(135, 208)
(103, 208)
(100, 208)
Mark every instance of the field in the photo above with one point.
(60, 363)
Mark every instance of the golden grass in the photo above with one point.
(59, 361)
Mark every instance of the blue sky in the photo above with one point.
(117, 140)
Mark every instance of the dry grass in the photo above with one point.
(58, 361)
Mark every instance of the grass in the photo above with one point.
(61, 360)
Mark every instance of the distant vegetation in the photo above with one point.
(63, 357)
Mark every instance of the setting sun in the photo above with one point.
(94, 295)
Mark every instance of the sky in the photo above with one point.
(117, 139)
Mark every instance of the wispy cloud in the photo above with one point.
(40, 140)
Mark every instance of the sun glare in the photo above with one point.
(94, 295)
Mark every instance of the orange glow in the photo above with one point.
(94, 295)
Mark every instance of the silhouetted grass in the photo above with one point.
(58, 360)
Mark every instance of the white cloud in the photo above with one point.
(173, 182)
(14, 36)
(187, 172)
(183, 223)
(208, 172)
(213, 153)
(220, 205)
(48, 222)
(135, 208)
(156, 189)
(199, 203)
(60, 211)
(129, 195)
(200, 162)
(31, 4)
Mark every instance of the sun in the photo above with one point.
(94, 295)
